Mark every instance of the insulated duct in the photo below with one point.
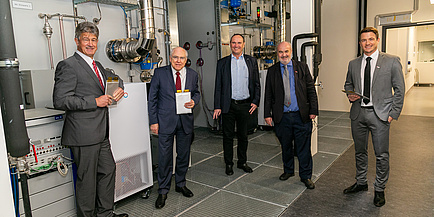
(130, 49)
(280, 24)
(17, 140)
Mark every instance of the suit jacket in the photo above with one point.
(305, 92)
(223, 82)
(162, 101)
(75, 89)
(387, 76)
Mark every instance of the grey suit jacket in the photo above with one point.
(387, 76)
(75, 89)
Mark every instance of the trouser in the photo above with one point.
(238, 115)
(95, 182)
(292, 129)
(165, 158)
(366, 122)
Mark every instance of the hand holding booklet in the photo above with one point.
(181, 99)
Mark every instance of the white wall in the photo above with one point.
(339, 46)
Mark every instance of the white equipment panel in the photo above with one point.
(130, 141)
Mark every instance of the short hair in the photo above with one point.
(88, 27)
(238, 35)
(186, 53)
(369, 29)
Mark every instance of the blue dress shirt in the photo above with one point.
(240, 78)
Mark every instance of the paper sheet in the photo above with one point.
(181, 99)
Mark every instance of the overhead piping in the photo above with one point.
(130, 49)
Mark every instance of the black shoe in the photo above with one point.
(379, 199)
(184, 190)
(161, 201)
(356, 188)
(286, 176)
(120, 215)
(229, 170)
(246, 168)
(308, 183)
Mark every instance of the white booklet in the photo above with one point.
(181, 99)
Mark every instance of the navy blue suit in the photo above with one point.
(162, 111)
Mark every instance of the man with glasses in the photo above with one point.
(79, 90)
(167, 122)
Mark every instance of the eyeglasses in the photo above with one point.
(179, 58)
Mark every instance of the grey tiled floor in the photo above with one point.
(260, 193)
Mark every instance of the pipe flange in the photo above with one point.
(9, 63)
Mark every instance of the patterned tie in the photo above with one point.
(178, 82)
(97, 74)
(367, 81)
(286, 86)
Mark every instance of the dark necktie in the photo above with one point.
(178, 82)
(97, 74)
(286, 86)
(367, 81)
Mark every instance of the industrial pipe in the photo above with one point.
(62, 36)
(148, 27)
(48, 31)
(17, 140)
(130, 49)
(280, 30)
(298, 37)
(303, 49)
(26, 196)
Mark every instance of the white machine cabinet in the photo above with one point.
(130, 141)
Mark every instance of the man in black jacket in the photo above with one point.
(236, 97)
(291, 102)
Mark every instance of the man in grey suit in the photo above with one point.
(166, 122)
(369, 84)
(79, 90)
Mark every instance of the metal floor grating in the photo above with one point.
(260, 193)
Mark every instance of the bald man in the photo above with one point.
(291, 102)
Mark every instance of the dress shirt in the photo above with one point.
(294, 106)
(182, 75)
(373, 62)
(240, 78)
(89, 62)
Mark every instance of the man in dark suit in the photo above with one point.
(236, 97)
(79, 90)
(291, 102)
(166, 122)
(370, 80)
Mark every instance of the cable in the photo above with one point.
(61, 171)
(204, 104)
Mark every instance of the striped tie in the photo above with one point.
(97, 74)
